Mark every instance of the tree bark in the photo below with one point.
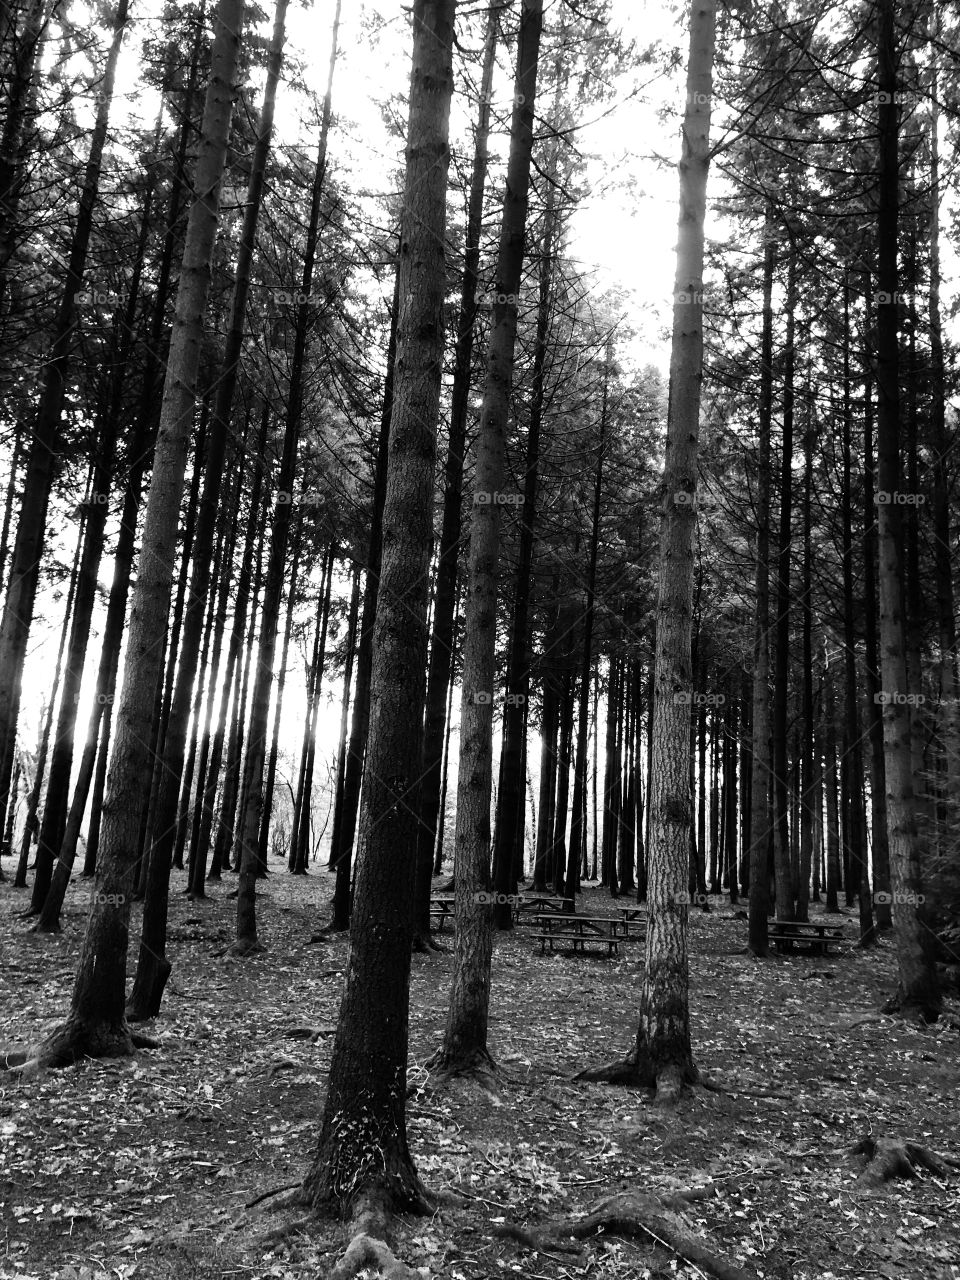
(45, 432)
(341, 855)
(96, 1024)
(301, 855)
(30, 826)
(783, 880)
(918, 987)
(445, 601)
(586, 659)
(362, 1149)
(853, 754)
(510, 792)
(252, 815)
(760, 811)
(464, 1048)
(351, 645)
(663, 1056)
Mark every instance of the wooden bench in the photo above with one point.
(813, 938)
(441, 908)
(577, 935)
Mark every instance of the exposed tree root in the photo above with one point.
(73, 1040)
(369, 1236)
(669, 1079)
(632, 1213)
(474, 1066)
(268, 1195)
(888, 1159)
(366, 1251)
(713, 1085)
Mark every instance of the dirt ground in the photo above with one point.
(145, 1167)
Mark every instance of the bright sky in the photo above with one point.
(623, 235)
(620, 238)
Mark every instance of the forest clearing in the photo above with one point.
(479, 683)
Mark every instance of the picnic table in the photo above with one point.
(634, 911)
(441, 907)
(577, 935)
(814, 938)
(632, 916)
(533, 904)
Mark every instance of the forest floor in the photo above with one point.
(144, 1167)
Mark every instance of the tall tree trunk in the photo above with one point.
(303, 842)
(345, 706)
(781, 682)
(341, 854)
(510, 792)
(947, 676)
(464, 1048)
(166, 683)
(45, 432)
(226, 849)
(833, 799)
(247, 941)
(19, 76)
(153, 968)
(271, 764)
(662, 1056)
(445, 603)
(761, 761)
(918, 991)
(874, 710)
(30, 827)
(365, 1103)
(853, 754)
(15, 459)
(549, 724)
(442, 816)
(586, 658)
(139, 458)
(62, 826)
(96, 1024)
(561, 797)
(809, 769)
(190, 817)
